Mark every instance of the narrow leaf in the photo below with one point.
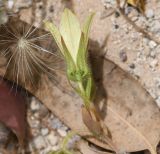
(82, 55)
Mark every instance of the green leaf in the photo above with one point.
(56, 34)
(82, 62)
(71, 32)
(86, 28)
(82, 55)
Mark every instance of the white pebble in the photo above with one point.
(39, 142)
(34, 105)
(152, 44)
(44, 131)
(62, 132)
(154, 63)
(52, 139)
(150, 13)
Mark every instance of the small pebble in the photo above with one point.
(56, 123)
(43, 111)
(152, 44)
(135, 18)
(117, 14)
(34, 105)
(123, 56)
(154, 63)
(128, 10)
(53, 140)
(153, 54)
(62, 132)
(132, 66)
(34, 123)
(156, 26)
(44, 131)
(39, 142)
(116, 26)
(149, 13)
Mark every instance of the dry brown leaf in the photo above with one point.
(84, 148)
(93, 126)
(139, 4)
(13, 109)
(130, 113)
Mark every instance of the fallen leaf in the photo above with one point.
(84, 148)
(130, 113)
(93, 125)
(13, 109)
(139, 4)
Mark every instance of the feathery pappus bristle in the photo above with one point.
(26, 58)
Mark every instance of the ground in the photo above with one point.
(126, 47)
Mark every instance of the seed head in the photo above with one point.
(27, 59)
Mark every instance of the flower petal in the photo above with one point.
(71, 32)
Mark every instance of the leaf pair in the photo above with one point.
(72, 42)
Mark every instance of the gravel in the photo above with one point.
(143, 55)
(47, 133)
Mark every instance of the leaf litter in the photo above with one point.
(134, 120)
(131, 114)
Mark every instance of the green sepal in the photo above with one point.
(82, 57)
(86, 29)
